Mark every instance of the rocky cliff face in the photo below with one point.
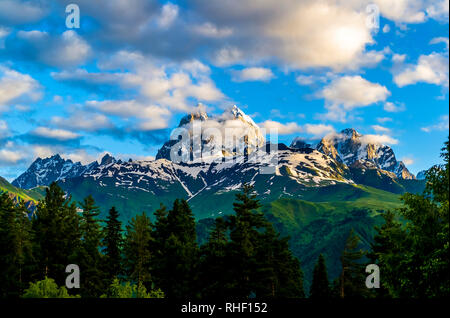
(45, 171)
(349, 147)
(233, 133)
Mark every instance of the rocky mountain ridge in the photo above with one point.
(338, 158)
(355, 150)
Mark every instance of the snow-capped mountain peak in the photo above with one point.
(107, 159)
(351, 133)
(44, 171)
(350, 147)
(200, 114)
(327, 160)
(239, 114)
(238, 134)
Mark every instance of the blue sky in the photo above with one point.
(123, 80)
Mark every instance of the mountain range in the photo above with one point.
(344, 159)
(312, 191)
(340, 153)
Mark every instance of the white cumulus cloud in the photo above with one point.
(381, 129)
(58, 134)
(253, 74)
(348, 92)
(378, 139)
(65, 50)
(432, 69)
(282, 129)
(407, 11)
(15, 12)
(318, 130)
(393, 108)
(15, 85)
(407, 161)
(10, 156)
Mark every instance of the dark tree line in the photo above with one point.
(243, 257)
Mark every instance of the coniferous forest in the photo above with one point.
(244, 256)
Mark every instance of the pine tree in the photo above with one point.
(352, 278)
(89, 256)
(278, 272)
(414, 255)
(246, 257)
(15, 247)
(7, 225)
(320, 287)
(112, 246)
(57, 236)
(137, 250)
(428, 257)
(387, 250)
(177, 256)
(160, 227)
(214, 268)
(288, 271)
(23, 258)
(245, 227)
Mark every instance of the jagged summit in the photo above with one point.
(107, 159)
(354, 149)
(239, 114)
(199, 114)
(54, 158)
(350, 132)
(44, 171)
(234, 126)
(348, 151)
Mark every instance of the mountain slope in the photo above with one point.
(31, 197)
(322, 228)
(143, 185)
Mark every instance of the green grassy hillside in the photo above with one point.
(33, 195)
(322, 225)
(129, 202)
(317, 228)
